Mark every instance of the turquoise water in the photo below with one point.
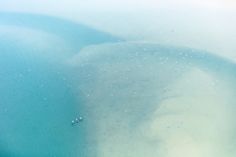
(37, 99)
(136, 98)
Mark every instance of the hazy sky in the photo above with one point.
(113, 4)
(208, 25)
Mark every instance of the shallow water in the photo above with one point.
(138, 99)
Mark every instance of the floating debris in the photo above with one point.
(72, 122)
(80, 119)
(77, 120)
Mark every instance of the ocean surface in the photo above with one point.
(137, 99)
